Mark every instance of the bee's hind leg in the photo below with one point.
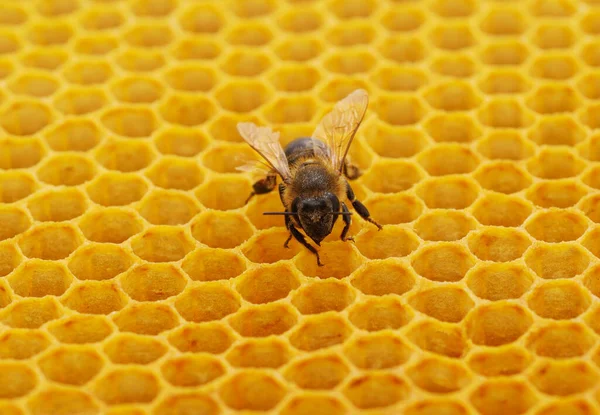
(351, 170)
(262, 186)
(359, 207)
(347, 222)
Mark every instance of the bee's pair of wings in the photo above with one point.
(336, 129)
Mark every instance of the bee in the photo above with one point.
(314, 172)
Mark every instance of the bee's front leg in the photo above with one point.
(263, 186)
(347, 222)
(300, 238)
(359, 207)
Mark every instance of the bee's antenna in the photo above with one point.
(279, 213)
(341, 213)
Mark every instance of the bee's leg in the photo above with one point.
(300, 238)
(288, 223)
(347, 222)
(351, 171)
(359, 207)
(263, 186)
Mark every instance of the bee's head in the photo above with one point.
(317, 215)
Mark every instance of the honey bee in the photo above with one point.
(314, 172)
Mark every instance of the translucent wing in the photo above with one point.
(266, 143)
(255, 168)
(339, 126)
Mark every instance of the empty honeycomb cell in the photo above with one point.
(590, 242)
(337, 89)
(553, 36)
(453, 96)
(556, 226)
(263, 321)
(253, 8)
(117, 189)
(496, 282)
(454, 64)
(323, 296)
(591, 178)
(505, 361)
(454, 8)
(130, 348)
(300, 20)
(574, 407)
(376, 390)
(319, 332)
(95, 297)
(504, 53)
(590, 23)
(560, 340)
(99, 262)
(224, 193)
(24, 118)
(267, 247)
(61, 401)
(167, 207)
(339, 260)
(207, 302)
(449, 158)
(9, 43)
(396, 79)
(497, 324)
(88, 72)
(399, 110)
(591, 280)
(454, 127)
(50, 33)
(403, 49)
(10, 258)
(80, 101)
(95, 45)
(590, 206)
(394, 208)
(267, 284)
(66, 170)
(252, 391)
(554, 98)
(112, 225)
(180, 141)
(557, 130)
(205, 264)
(5, 295)
(227, 158)
(10, 15)
(71, 365)
(498, 244)
(181, 403)
(251, 34)
(503, 177)
(553, 8)
(501, 210)
(449, 303)
(559, 300)
(295, 109)
(313, 404)
(31, 313)
(137, 90)
(161, 244)
(291, 78)
(75, 134)
(352, 9)
(191, 78)
(35, 85)
(377, 351)
(127, 386)
(187, 111)
(150, 36)
(505, 81)
(505, 113)
(36, 278)
(590, 116)
(588, 85)
(153, 282)
(318, 372)
(13, 221)
(503, 21)
(22, 344)
(452, 36)
(392, 176)
(140, 60)
(50, 241)
(221, 229)
(451, 192)
(350, 34)
(440, 338)
(270, 353)
(101, 19)
(590, 53)
(554, 67)
(563, 378)
(80, 329)
(146, 318)
(379, 313)
(498, 397)
(391, 241)
(17, 380)
(48, 59)
(437, 375)
(19, 153)
(403, 20)
(431, 407)
(129, 122)
(562, 194)
(384, 277)
(448, 225)
(192, 371)
(206, 337)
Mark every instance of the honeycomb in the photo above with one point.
(135, 280)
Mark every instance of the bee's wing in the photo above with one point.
(266, 143)
(339, 126)
(255, 168)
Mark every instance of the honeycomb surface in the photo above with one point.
(134, 280)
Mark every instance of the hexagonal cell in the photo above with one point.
(376, 390)
(319, 372)
(21, 153)
(501, 210)
(264, 320)
(206, 337)
(394, 208)
(503, 21)
(440, 338)
(153, 8)
(224, 193)
(454, 64)
(391, 241)
(553, 8)
(6, 296)
(88, 72)
(384, 277)
(556, 226)
(250, 34)
(398, 79)
(339, 260)
(291, 110)
(590, 116)
(130, 348)
(444, 225)
(267, 284)
(207, 302)
(590, 53)
(298, 49)
(507, 52)
(201, 19)
(181, 142)
(124, 155)
(12, 15)
(146, 318)
(554, 98)
(590, 23)
(562, 194)
(117, 189)
(36, 278)
(99, 262)
(454, 8)
(403, 20)
(323, 296)
(377, 351)
(123, 386)
(350, 63)
(144, 35)
(352, 9)
(293, 78)
(192, 371)
(497, 397)
(399, 109)
(503, 177)
(311, 404)
(590, 206)
(79, 329)
(267, 246)
(497, 282)
(505, 113)
(130, 122)
(591, 280)
(61, 401)
(498, 244)
(252, 391)
(453, 96)
(227, 158)
(320, 332)
(18, 380)
(452, 36)
(497, 324)
(555, 163)
(300, 20)
(591, 242)
(554, 67)
(179, 403)
(459, 128)
(445, 159)
(270, 353)
(6, 68)
(437, 375)
(559, 300)
(506, 361)
(10, 258)
(557, 130)
(138, 60)
(253, 8)
(112, 225)
(50, 241)
(448, 303)
(98, 19)
(31, 313)
(218, 229)
(22, 344)
(153, 282)
(348, 34)
(13, 221)
(24, 118)
(504, 81)
(137, 90)
(35, 85)
(379, 313)
(392, 176)
(205, 264)
(560, 340)
(95, 45)
(50, 33)
(66, 170)
(403, 49)
(70, 365)
(175, 173)
(448, 192)
(95, 297)
(572, 406)
(9, 43)
(554, 36)
(76, 134)
(549, 377)
(168, 207)
(162, 244)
